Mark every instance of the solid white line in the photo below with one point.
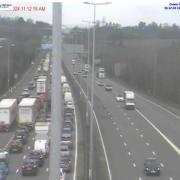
(134, 164)
(121, 135)
(76, 148)
(128, 118)
(102, 141)
(170, 178)
(125, 144)
(153, 153)
(137, 129)
(147, 144)
(165, 138)
(107, 161)
(162, 165)
(129, 153)
(141, 136)
(6, 146)
(140, 178)
(132, 123)
(161, 107)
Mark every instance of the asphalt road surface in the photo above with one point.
(130, 136)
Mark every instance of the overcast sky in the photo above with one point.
(124, 12)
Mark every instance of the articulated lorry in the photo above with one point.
(28, 112)
(8, 113)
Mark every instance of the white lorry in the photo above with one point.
(66, 88)
(67, 97)
(63, 79)
(41, 85)
(8, 113)
(28, 112)
(101, 73)
(42, 131)
(129, 100)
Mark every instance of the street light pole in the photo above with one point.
(8, 62)
(91, 154)
(88, 62)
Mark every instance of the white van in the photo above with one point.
(42, 145)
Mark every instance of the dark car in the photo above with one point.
(4, 168)
(15, 146)
(21, 136)
(19, 98)
(67, 130)
(100, 83)
(68, 125)
(29, 167)
(37, 156)
(23, 129)
(151, 167)
(66, 137)
(65, 165)
(3, 175)
(31, 85)
(108, 87)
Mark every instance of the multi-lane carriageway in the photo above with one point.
(128, 136)
(15, 161)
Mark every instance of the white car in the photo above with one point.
(119, 98)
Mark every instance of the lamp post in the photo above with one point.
(8, 62)
(92, 89)
(88, 62)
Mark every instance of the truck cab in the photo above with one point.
(129, 100)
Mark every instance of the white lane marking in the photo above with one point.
(29, 147)
(24, 157)
(121, 135)
(111, 118)
(141, 136)
(107, 161)
(137, 129)
(33, 138)
(140, 178)
(154, 154)
(161, 107)
(17, 171)
(134, 165)
(129, 153)
(117, 129)
(76, 148)
(114, 123)
(147, 144)
(128, 118)
(170, 178)
(47, 169)
(125, 144)
(132, 123)
(6, 146)
(104, 149)
(162, 165)
(166, 139)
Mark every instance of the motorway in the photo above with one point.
(5, 138)
(131, 136)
